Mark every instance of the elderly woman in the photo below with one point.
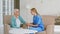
(16, 19)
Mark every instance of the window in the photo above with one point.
(8, 7)
(1, 13)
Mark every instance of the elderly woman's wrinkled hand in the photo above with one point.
(28, 24)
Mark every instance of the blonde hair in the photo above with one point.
(34, 10)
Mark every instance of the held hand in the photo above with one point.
(28, 24)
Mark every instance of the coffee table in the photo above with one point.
(21, 31)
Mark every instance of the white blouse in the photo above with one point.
(18, 22)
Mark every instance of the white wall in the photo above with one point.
(51, 7)
(44, 7)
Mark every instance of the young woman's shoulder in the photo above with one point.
(39, 16)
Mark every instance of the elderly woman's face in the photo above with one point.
(16, 12)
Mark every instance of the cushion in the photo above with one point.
(7, 19)
(48, 20)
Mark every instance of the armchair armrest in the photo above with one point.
(50, 29)
(6, 29)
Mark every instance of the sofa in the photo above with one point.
(47, 20)
(57, 20)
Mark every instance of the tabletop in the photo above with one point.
(21, 31)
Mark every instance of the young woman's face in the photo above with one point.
(32, 12)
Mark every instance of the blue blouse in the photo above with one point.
(37, 19)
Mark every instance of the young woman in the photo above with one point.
(37, 21)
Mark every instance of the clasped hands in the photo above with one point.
(30, 24)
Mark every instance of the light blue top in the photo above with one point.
(13, 21)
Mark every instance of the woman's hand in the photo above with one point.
(28, 24)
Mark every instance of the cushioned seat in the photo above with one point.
(47, 20)
(43, 32)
